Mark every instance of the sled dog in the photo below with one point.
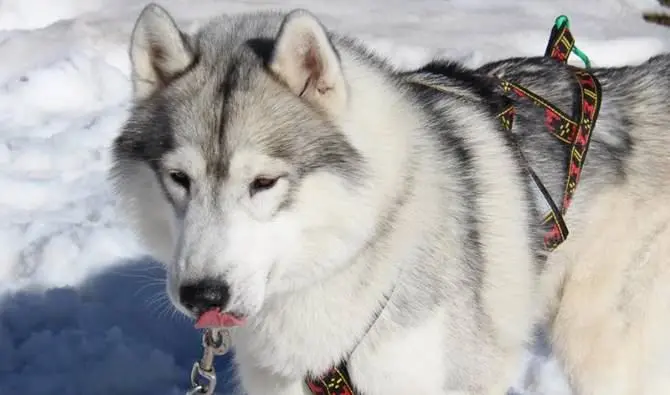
(338, 211)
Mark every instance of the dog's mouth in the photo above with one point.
(215, 318)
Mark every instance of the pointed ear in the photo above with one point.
(158, 51)
(306, 61)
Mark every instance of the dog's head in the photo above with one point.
(234, 166)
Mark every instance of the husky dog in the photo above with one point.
(333, 209)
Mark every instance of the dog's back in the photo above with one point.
(602, 291)
(607, 285)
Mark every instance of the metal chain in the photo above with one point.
(215, 342)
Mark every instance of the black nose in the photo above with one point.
(204, 295)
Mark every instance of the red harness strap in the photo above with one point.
(335, 382)
(575, 133)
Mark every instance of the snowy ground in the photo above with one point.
(82, 310)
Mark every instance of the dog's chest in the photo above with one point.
(378, 364)
(402, 360)
(300, 339)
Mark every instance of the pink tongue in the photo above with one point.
(215, 319)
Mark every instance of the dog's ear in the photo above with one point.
(158, 51)
(306, 61)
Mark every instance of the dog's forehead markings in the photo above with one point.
(230, 102)
(247, 109)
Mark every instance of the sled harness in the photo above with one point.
(574, 132)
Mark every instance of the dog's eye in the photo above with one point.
(260, 184)
(180, 178)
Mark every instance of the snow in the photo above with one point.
(82, 308)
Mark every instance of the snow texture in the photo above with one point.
(82, 309)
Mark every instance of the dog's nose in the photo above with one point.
(204, 295)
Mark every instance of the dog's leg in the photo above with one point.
(611, 328)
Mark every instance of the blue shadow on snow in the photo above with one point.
(104, 337)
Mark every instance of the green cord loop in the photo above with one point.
(563, 21)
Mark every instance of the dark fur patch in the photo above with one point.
(474, 257)
(491, 100)
(454, 146)
(147, 135)
(619, 154)
(262, 48)
(466, 80)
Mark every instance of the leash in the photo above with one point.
(573, 132)
(215, 342)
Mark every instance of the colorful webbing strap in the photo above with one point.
(574, 132)
(561, 42)
(335, 382)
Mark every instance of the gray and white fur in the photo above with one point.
(286, 174)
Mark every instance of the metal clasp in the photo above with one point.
(215, 341)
